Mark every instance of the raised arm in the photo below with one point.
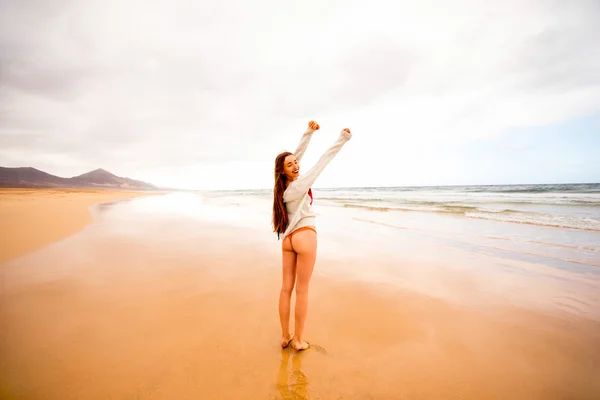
(300, 186)
(306, 136)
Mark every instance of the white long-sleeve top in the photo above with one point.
(295, 197)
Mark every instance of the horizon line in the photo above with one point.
(402, 186)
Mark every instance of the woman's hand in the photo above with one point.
(313, 125)
(347, 132)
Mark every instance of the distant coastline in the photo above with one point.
(29, 177)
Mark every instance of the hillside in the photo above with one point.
(28, 177)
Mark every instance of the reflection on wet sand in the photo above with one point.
(292, 384)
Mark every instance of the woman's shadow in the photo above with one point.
(292, 384)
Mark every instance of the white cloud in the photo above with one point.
(155, 89)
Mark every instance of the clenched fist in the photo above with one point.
(313, 125)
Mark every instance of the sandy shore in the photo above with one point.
(169, 307)
(33, 218)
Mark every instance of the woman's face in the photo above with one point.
(291, 169)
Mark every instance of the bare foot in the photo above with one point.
(285, 342)
(299, 346)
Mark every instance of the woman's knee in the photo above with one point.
(287, 288)
(302, 288)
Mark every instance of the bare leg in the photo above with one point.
(305, 244)
(287, 285)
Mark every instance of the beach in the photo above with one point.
(175, 296)
(33, 218)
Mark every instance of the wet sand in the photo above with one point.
(33, 218)
(170, 306)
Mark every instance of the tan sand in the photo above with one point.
(128, 320)
(188, 335)
(33, 218)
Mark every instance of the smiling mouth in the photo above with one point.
(295, 171)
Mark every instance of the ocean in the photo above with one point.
(559, 222)
(535, 246)
(573, 206)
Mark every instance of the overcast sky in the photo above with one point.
(197, 94)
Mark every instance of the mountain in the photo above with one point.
(99, 178)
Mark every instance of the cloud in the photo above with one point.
(520, 148)
(147, 88)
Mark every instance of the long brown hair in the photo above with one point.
(280, 216)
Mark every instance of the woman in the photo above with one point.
(294, 219)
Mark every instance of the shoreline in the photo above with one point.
(33, 218)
